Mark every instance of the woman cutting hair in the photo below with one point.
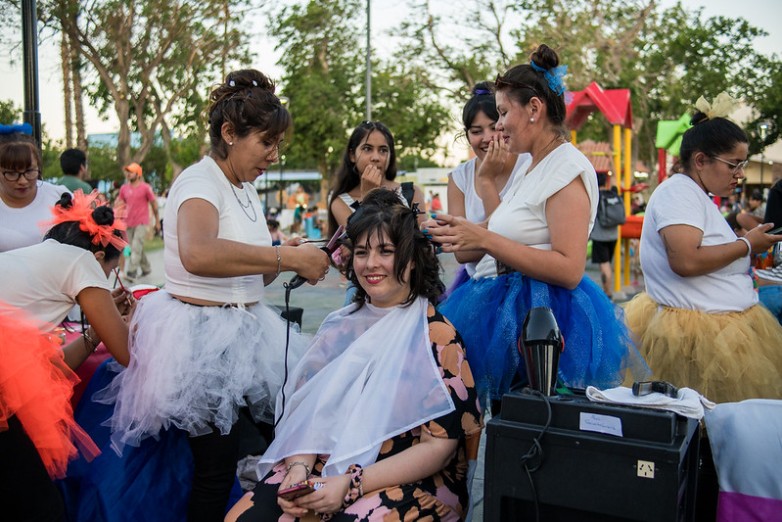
(533, 247)
(207, 344)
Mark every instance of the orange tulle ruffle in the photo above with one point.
(36, 387)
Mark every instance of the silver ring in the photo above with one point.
(321, 278)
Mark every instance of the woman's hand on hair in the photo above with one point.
(456, 234)
(371, 178)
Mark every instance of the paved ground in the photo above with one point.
(319, 300)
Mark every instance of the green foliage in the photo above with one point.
(103, 163)
(152, 61)
(9, 112)
(325, 67)
(413, 162)
(322, 79)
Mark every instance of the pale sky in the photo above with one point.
(766, 14)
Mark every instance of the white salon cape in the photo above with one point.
(368, 376)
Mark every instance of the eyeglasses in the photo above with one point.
(735, 167)
(14, 175)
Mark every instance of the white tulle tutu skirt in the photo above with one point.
(193, 367)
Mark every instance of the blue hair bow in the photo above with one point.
(23, 128)
(553, 77)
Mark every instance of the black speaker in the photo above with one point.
(595, 462)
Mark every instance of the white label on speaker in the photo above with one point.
(600, 424)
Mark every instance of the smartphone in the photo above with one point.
(297, 490)
(777, 230)
(646, 387)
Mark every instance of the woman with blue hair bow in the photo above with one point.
(533, 248)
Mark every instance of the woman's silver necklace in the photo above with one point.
(245, 206)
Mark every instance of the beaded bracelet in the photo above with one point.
(279, 259)
(298, 463)
(356, 489)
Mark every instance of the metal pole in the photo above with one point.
(369, 67)
(763, 128)
(282, 166)
(32, 113)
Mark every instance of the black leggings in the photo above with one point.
(26, 491)
(215, 458)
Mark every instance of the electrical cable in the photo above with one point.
(535, 451)
(288, 287)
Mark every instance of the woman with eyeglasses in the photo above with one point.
(699, 323)
(25, 199)
(534, 247)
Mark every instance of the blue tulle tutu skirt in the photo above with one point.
(488, 313)
(150, 482)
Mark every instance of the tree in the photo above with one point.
(666, 57)
(9, 112)
(322, 79)
(324, 82)
(150, 60)
(455, 65)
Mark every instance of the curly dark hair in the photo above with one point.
(69, 233)
(247, 101)
(382, 213)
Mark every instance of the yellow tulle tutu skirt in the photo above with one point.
(727, 357)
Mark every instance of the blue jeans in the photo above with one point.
(771, 298)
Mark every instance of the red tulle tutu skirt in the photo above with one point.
(36, 387)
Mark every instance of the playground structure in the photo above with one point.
(669, 141)
(615, 106)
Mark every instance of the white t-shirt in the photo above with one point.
(463, 177)
(521, 215)
(21, 227)
(680, 201)
(44, 279)
(206, 181)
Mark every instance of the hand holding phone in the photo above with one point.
(774, 231)
(299, 489)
